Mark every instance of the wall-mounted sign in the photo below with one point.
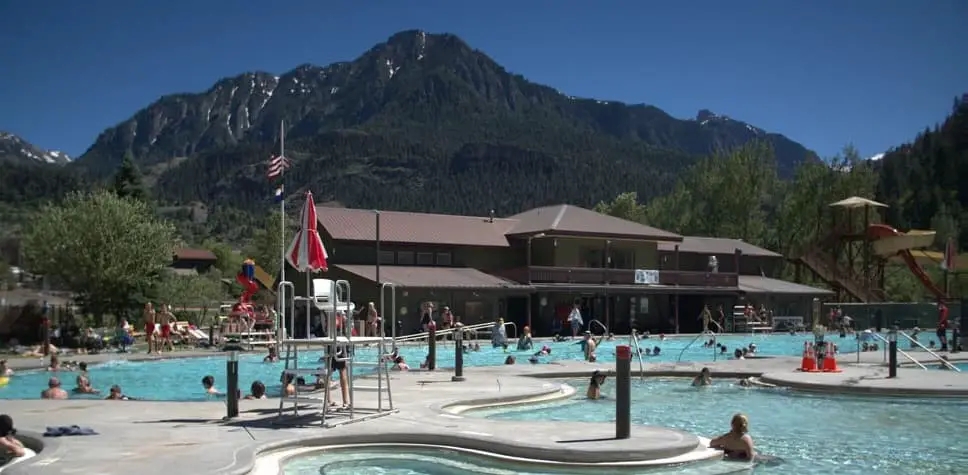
(644, 276)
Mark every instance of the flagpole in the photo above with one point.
(282, 228)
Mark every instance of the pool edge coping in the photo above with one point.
(275, 459)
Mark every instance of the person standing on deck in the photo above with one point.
(942, 332)
(149, 316)
(575, 320)
(706, 316)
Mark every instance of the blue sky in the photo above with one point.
(823, 72)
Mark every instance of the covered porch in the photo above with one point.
(472, 295)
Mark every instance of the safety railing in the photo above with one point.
(932, 353)
(701, 335)
(599, 322)
(634, 342)
(902, 352)
(448, 331)
(514, 326)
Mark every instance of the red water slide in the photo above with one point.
(249, 285)
(877, 231)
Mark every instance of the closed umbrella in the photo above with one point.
(307, 254)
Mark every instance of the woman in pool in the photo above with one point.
(703, 379)
(499, 336)
(9, 445)
(116, 394)
(5, 372)
(595, 385)
(737, 443)
(524, 342)
(273, 355)
(208, 382)
(257, 391)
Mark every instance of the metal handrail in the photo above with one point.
(513, 326)
(595, 320)
(424, 335)
(942, 360)
(693, 341)
(913, 360)
(634, 341)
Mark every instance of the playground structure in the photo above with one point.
(243, 324)
(852, 258)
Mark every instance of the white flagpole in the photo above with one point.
(282, 231)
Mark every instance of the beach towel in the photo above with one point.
(68, 430)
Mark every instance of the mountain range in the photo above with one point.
(419, 122)
(14, 148)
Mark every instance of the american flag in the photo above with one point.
(277, 165)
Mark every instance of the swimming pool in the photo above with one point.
(180, 379)
(410, 460)
(812, 434)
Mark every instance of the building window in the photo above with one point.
(386, 257)
(473, 313)
(622, 259)
(425, 258)
(591, 257)
(405, 258)
(443, 259)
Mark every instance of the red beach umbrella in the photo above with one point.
(306, 253)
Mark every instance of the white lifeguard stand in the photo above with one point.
(331, 298)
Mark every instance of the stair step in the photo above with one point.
(370, 388)
(304, 400)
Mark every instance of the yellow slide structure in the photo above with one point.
(265, 279)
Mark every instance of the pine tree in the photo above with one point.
(127, 180)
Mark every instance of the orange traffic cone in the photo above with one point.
(830, 359)
(809, 361)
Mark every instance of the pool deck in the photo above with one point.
(190, 437)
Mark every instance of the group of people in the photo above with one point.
(161, 321)
(82, 381)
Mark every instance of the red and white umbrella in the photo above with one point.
(306, 253)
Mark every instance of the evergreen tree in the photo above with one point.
(127, 181)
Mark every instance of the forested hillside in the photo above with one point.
(925, 182)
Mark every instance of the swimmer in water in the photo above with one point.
(588, 346)
(703, 378)
(208, 382)
(737, 443)
(595, 385)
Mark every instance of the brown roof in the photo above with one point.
(347, 224)
(575, 221)
(194, 254)
(754, 284)
(433, 277)
(23, 296)
(709, 245)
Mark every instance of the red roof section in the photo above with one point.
(188, 254)
(433, 277)
(709, 245)
(347, 224)
(575, 221)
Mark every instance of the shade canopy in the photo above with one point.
(858, 202)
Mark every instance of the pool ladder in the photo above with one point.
(701, 335)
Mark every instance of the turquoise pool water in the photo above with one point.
(812, 434)
(180, 379)
(404, 460)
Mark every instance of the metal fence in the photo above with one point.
(907, 315)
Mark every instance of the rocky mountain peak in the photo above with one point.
(15, 148)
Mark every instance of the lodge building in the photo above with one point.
(529, 268)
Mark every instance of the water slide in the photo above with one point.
(889, 242)
(264, 278)
(250, 286)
